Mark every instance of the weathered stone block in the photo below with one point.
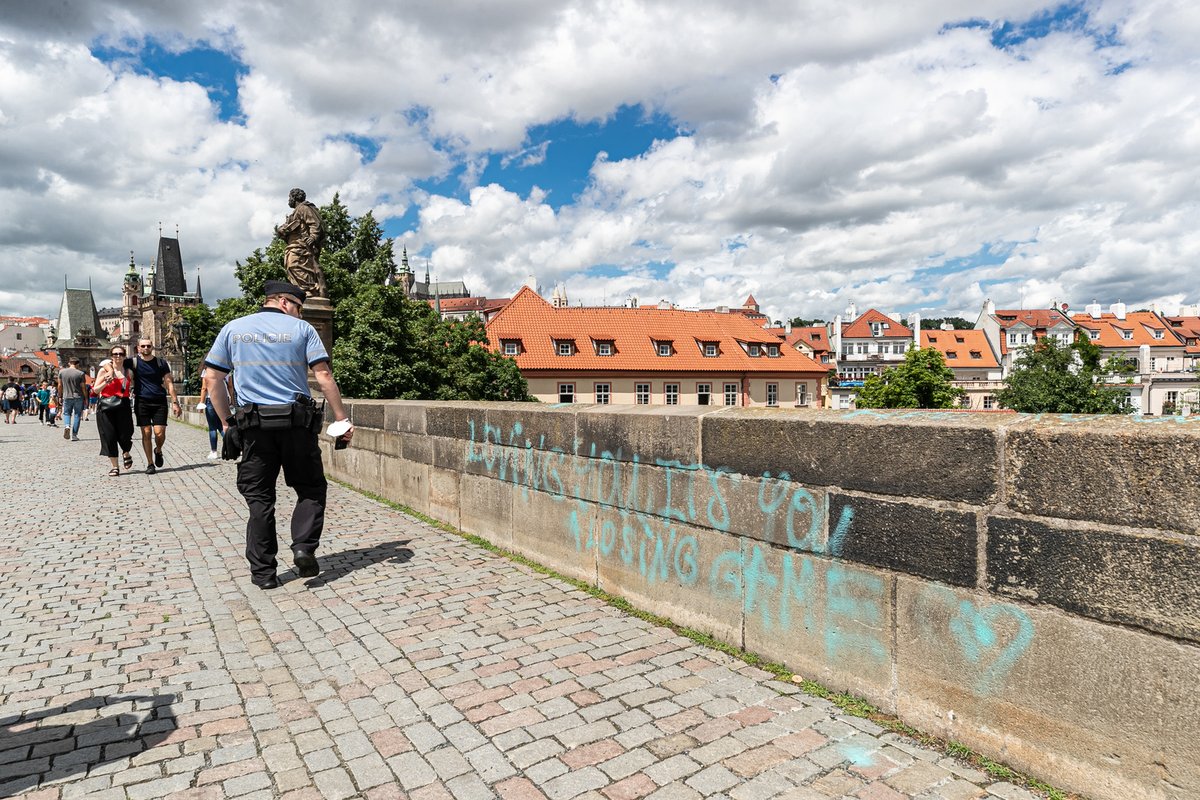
(1137, 579)
(486, 509)
(916, 538)
(652, 434)
(416, 447)
(664, 567)
(533, 425)
(947, 457)
(367, 413)
(1116, 471)
(448, 453)
(455, 420)
(1099, 709)
(443, 495)
(544, 528)
(360, 468)
(826, 620)
(405, 482)
(405, 416)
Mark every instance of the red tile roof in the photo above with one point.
(1188, 328)
(861, 327)
(1036, 318)
(453, 305)
(1140, 326)
(635, 333)
(816, 337)
(962, 349)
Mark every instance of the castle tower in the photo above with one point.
(559, 298)
(131, 308)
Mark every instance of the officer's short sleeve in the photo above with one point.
(315, 351)
(219, 357)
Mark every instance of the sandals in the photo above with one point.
(114, 472)
(128, 460)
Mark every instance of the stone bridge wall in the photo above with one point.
(1027, 586)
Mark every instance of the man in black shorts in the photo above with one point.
(151, 385)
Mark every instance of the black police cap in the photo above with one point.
(283, 287)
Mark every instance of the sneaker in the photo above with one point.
(214, 455)
(150, 470)
(66, 433)
(74, 438)
(158, 459)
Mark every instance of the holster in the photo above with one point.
(302, 413)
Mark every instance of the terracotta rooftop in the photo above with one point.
(861, 327)
(1138, 328)
(1036, 318)
(961, 349)
(635, 334)
(815, 336)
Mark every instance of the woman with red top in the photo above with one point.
(114, 421)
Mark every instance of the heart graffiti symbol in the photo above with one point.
(991, 639)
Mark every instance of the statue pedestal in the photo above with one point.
(318, 312)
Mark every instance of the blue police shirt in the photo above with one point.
(269, 353)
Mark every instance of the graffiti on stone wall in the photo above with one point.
(613, 508)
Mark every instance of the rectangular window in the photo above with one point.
(604, 348)
(564, 348)
(1024, 338)
(989, 402)
(731, 394)
(641, 394)
(898, 348)
(1093, 335)
(773, 351)
(671, 393)
(511, 348)
(1154, 364)
(862, 348)
(566, 393)
(703, 393)
(603, 393)
(18, 336)
(801, 394)
(753, 350)
(772, 394)
(710, 350)
(664, 348)
(1012, 338)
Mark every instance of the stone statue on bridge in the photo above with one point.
(303, 233)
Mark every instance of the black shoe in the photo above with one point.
(158, 459)
(150, 470)
(270, 583)
(306, 564)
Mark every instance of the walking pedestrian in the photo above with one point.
(210, 414)
(270, 353)
(151, 384)
(114, 420)
(10, 397)
(42, 398)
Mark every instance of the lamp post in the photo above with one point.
(183, 329)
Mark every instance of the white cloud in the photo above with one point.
(884, 144)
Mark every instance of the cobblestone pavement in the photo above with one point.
(137, 661)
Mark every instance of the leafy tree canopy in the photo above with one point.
(935, 323)
(385, 344)
(1051, 377)
(801, 322)
(922, 381)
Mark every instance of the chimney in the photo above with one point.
(1093, 310)
(1117, 309)
(989, 306)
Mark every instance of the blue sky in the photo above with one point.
(897, 158)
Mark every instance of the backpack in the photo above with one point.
(10, 393)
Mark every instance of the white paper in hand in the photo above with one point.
(336, 429)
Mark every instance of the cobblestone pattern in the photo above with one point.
(137, 661)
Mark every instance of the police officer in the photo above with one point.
(270, 353)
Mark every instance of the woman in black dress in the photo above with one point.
(114, 418)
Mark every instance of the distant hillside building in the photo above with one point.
(22, 335)
(651, 355)
(428, 290)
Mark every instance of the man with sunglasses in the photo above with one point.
(151, 384)
(270, 353)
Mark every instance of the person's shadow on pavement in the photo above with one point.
(336, 565)
(67, 741)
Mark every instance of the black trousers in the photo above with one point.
(264, 453)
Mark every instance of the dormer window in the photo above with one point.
(1157, 332)
(1126, 334)
(710, 350)
(663, 348)
(933, 340)
(816, 337)
(960, 340)
(773, 351)
(752, 350)
(565, 347)
(511, 347)
(951, 354)
(1093, 335)
(604, 348)
(976, 354)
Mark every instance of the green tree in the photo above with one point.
(922, 381)
(1051, 377)
(801, 322)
